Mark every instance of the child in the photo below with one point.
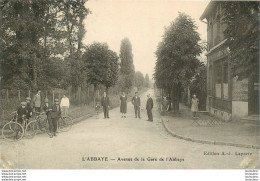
(97, 107)
(47, 111)
(54, 117)
(194, 105)
(21, 112)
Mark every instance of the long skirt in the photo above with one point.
(123, 107)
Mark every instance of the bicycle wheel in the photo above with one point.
(65, 123)
(12, 120)
(12, 131)
(31, 129)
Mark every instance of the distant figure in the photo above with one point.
(123, 104)
(105, 103)
(164, 104)
(37, 102)
(137, 103)
(64, 104)
(149, 107)
(194, 105)
(169, 102)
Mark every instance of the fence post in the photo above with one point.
(19, 95)
(53, 97)
(59, 94)
(29, 93)
(46, 94)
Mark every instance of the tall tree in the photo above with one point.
(96, 64)
(21, 30)
(127, 70)
(177, 57)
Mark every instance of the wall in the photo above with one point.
(239, 110)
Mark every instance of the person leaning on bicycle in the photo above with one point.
(21, 115)
(28, 107)
(21, 112)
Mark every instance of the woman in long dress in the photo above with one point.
(194, 105)
(123, 104)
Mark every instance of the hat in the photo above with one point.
(56, 100)
(46, 100)
(23, 103)
(28, 98)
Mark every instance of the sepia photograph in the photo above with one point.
(129, 84)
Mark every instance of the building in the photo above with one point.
(228, 97)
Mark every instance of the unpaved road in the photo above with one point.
(116, 138)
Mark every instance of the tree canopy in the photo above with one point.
(177, 56)
(37, 37)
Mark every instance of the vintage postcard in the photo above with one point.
(129, 84)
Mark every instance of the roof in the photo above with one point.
(208, 10)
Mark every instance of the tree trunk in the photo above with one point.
(94, 100)
(175, 99)
(34, 74)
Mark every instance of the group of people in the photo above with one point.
(105, 103)
(60, 108)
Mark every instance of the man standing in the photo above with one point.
(105, 103)
(169, 101)
(37, 101)
(64, 104)
(54, 118)
(149, 107)
(137, 103)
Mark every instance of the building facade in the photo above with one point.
(228, 97)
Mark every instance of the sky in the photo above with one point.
(142, 21)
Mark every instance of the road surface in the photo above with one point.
(116, 143)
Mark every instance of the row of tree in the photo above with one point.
(177, 58)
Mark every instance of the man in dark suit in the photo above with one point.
(149, 107)
(105, 103)
(137, 103)
(54, 117)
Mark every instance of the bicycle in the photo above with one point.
(12, 130)
(65, 123)
(39, 123)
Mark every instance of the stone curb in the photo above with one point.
(207, 141)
